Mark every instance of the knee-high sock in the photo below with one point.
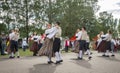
(49, 58)
(57, 56)
(60, 58)
(88, 51)
(12, 54)
(112, 52)
(18, 54)
(107, 52)
(80, 53)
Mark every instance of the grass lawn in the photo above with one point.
(22, 53)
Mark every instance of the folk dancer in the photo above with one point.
(76, 42)
(34, 47)
(82, 41)
(14, 36)
(108, 38)
(57, 43)
(47, 48)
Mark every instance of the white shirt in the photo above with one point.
(11, 36)
(108, 37)
(51, 32)
(35, 38)
(118, 42)
(113, 41)
(79, 34)
(24, 43)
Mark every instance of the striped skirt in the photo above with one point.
(46, 49)
(76, 45)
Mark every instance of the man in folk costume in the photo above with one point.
(82, 41)
(14, 36)
(57, 43)
(47, 48)
(108, 38)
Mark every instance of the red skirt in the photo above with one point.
(34, 47)
(102, 46)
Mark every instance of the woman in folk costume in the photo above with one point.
(101, 43)
(57, 43)
(117, 44)
(47, 48)
(34, 47)
(76, 42)
(107, 38)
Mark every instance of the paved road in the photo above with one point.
(98, 64)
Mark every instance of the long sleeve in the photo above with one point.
(52, 33)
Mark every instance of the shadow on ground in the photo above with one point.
(84, 63)
(110, 58)
(43, 68)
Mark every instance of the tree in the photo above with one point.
(107, 22)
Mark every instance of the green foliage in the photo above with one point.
(72, 14)
(3, 28)
(106, 22)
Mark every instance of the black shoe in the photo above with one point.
(57, 62)
(113, 55)
(89, 58)
(103, 55)
(61, 61)
(49, 62)
(91, 53)
(34, 55)
(107, 56)
(79, 58)
(12, 57)
(18, 56)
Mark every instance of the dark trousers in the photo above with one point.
(82, 45)
(56, 45)
(87, 46)
(66, 48)
(3, 46)
(14, 46)
(1, 50)
(108, 45)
